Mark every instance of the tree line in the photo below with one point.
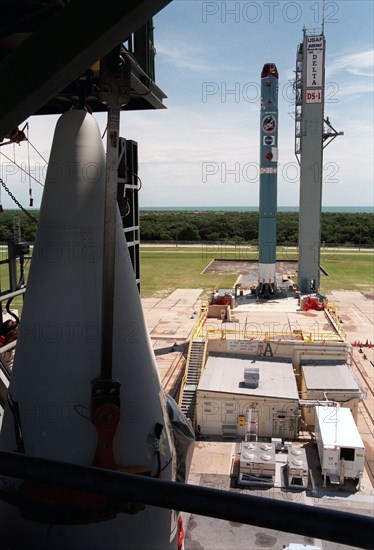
(242, 227)
(220, 227)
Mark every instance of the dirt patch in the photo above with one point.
(244, 267)
(248, 270)
(224, 267)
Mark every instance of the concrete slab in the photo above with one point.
(209, 468)
(190, 294)
(309, 321)
(249, 302)
(171, 320)
(212, 458)
(149, 303)
(357, 313)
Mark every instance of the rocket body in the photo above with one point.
(268, 180)
(58, 355)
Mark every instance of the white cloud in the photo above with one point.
(184, 56)
(359, 64)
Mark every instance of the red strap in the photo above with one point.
(106, 418)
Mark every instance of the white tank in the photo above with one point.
(58, 354)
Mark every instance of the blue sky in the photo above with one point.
(204, 149)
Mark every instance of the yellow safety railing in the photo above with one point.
(197, 330)
(183, 383)
(334, 318)
(196, 333)
(257, 335)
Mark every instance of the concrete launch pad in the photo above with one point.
(247, 270)
(211, 468)
(170, 321)
(278, 317)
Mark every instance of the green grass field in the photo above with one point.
(165, 268)
(349, 271)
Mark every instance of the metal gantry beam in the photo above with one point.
(343, 527)
(62, 49)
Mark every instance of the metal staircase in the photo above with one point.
(195, 363)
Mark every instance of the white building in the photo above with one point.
(334, 382)
(228, 407)
(340, 446)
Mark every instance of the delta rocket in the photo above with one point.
(49, 411)
(268, 180)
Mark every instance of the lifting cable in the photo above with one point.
(28, 172)
(20, 167)
(29, 165)
(38, 152)
(17, 202)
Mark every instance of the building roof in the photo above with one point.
(224, 373)
(329, 377)
(338, 427)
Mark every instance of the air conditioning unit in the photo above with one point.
(251, 377)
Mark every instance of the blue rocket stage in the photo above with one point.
(268, 180)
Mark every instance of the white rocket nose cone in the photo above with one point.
(60, 326)
(58, 351)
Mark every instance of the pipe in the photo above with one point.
(341, 527)
(4, 297)
(8, 347)
(316, 402)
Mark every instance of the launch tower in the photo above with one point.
(312, 135)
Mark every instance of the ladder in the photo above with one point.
(194, 366)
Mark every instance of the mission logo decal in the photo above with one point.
(268, 140)
(267, 170)
(269, 124)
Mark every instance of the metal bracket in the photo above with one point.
(331, 133)
(115, 74)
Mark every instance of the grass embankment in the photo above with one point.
(163, 269)
(348, 271)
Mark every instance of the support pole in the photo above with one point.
(115, 74)
(115, 80)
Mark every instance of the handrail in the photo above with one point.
(183, 383)
(6, 364)
(202, 367)
(258, 335)
(196, 333)
(8, 347)
(8, 295)
(4, 368)
(184, 379)
(333, 316)
(322, 523)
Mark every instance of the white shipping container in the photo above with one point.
(340, 446)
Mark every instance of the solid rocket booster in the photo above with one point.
(58, 357)
(268, 180)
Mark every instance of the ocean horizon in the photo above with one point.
(341, 209)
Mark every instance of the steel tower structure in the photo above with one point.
(311, 131)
